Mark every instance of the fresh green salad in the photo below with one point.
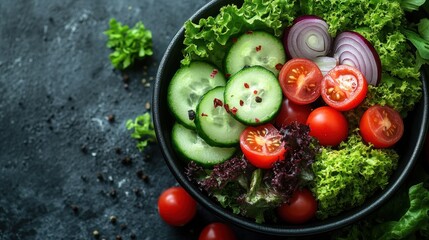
(289, 110)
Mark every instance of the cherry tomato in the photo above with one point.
(217, 231)
(262, 145)
(301, 208)
(328, 125)
(290, 112)
(344, 87)
(382, 126)
(176, 207)
(300, 80)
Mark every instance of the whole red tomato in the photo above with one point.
(301, 208)
(290, 112)
(176, 207)
(217, 231)
(328, 125)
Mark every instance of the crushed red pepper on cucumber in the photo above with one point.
(304, 104)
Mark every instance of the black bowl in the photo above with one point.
(409, 148)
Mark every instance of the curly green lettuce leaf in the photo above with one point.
(405, 216)
(129, 44)
(143, 132)
(401, 95)
(210, 37)
(378, 15)
(395, 53)
(347, 176)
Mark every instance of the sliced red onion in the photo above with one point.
(307, 38)
(325, 64)
(351, 48)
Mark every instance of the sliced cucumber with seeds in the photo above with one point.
(253, 95)
(190, 146)
(214, 124)
(187, 86)
(256, 49)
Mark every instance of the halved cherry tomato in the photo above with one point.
(290, 112)
(262, 145)
(300, 80)
(217, 231)
(176, 207)
(382, 126)
(344, 87)
(301, 208)
(328, 125)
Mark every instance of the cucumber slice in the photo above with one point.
(187, 86)
(214, 124)
(255, 48)
(253, 95)
(190, 146)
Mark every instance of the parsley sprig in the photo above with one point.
(144, 132)
(128, 44)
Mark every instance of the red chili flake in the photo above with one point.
(279, 66)
(234, 40)
(234, 110)
(227, 75)
(258, 48)
(226, 106)
(217, 103)
(241, 103)
(246, 85)
(255, 92)
(249, 32)
(204, 115)
(213, 74)
(257, 120)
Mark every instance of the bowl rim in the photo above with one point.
(277, 230)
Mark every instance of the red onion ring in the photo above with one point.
(307, 38)
(351, 48)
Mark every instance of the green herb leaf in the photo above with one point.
(412, 5)
(421, 44)
(143, 132)
(423, 28)
(128, 44)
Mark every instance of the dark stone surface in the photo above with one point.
(58, 157)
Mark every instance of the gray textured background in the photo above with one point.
(59, 162)
(56, 89)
